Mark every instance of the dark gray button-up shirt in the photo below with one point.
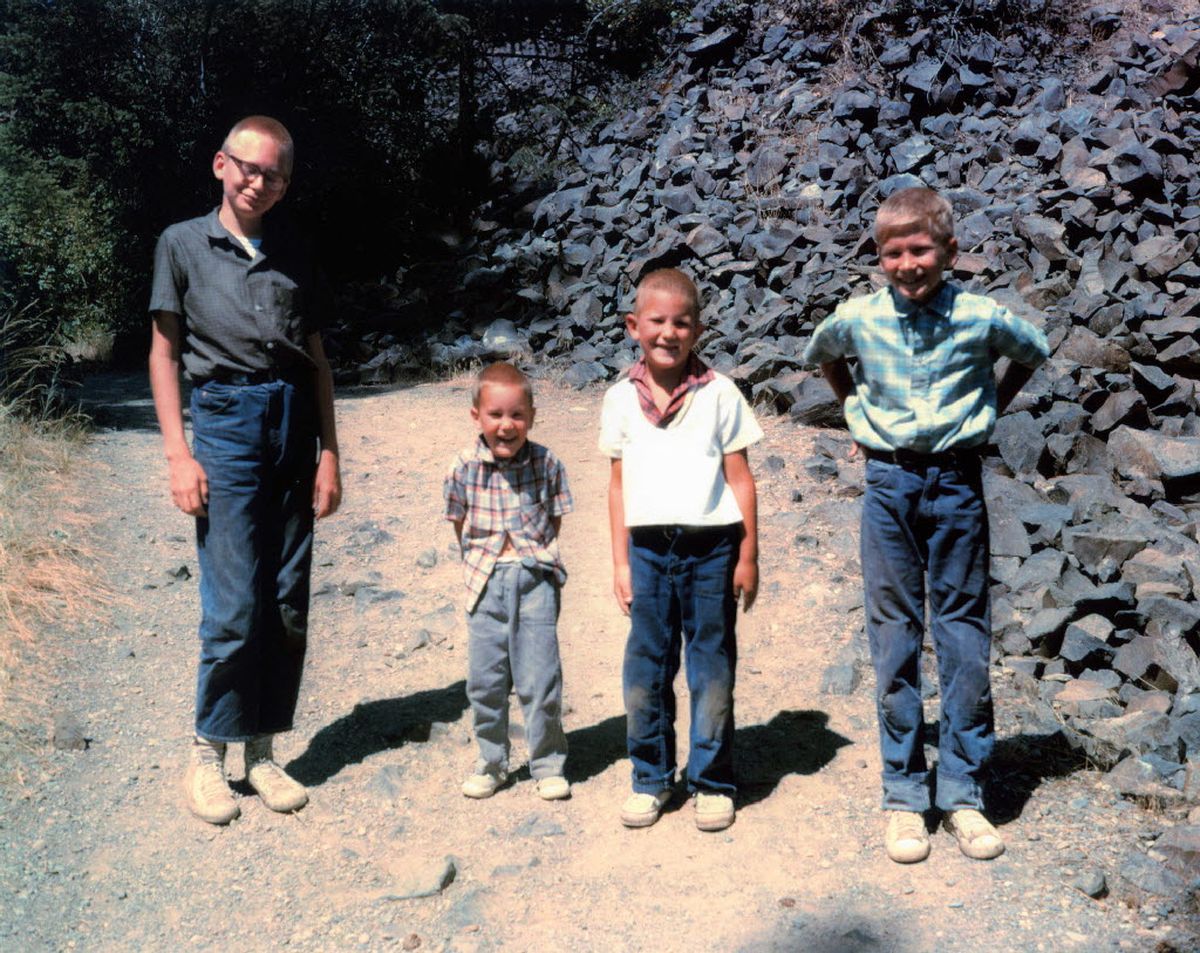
(240, 315)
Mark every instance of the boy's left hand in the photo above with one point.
(327, 486)
(745, 582)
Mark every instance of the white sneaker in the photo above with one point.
(976, 836)
(906, 840)
(554, 788)
(483, 785)
(279, 790)
(714, 812)
(204, 785)
(642, 810)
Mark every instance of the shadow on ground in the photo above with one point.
(1018, 767)
(593, 749)
(793, 742)
(376, 726)
(801, 930)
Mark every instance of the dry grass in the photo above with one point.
(44, 564)
(46, 568)
(47, 579)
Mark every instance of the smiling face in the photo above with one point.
(666, 328)
(250, 197)
(914, 261)
(504, 415)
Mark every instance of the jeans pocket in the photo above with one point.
(713, 570)
(879, 474)
(214, 398)
(540, 598)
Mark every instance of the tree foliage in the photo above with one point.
(115, 107)
(111, 110)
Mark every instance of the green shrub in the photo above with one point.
(59, 238)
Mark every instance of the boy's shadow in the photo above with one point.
(377, 726)
(1019, 765)
(1017, 768)
(592, 749)
(793, 742)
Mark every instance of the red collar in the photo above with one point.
(695, 375)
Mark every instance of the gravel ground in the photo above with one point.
(97, 851)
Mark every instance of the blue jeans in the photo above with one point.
(682, 592)
(257, 444)
(513, 643)
(929, 522)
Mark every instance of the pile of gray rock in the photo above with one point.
(755, 158)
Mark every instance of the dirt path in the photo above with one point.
(98, 853)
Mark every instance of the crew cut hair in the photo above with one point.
(265, 126)
(915, 209)
(673, 281)
(501, 373)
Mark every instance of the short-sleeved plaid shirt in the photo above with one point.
(925, 374)
(517, 499)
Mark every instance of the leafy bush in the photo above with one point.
(114, 108)
(111, 110)
(59, 241)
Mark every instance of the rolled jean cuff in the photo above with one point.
(907, 793)
(958, 793)
(238, 739)
(652, 787)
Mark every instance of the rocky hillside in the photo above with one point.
(754, 159)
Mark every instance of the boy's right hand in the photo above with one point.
(189, 486)
(623, 587)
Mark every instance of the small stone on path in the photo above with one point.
(69, 733)
(425, 878)
(1091, 882)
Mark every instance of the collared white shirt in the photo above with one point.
(674, 475)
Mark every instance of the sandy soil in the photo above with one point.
(98, 853)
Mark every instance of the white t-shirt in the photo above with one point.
(673, 475)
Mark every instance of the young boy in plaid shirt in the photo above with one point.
(921, 403)
(506, 497)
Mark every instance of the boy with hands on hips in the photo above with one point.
(921, 403)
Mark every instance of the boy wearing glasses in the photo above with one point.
(238, 305)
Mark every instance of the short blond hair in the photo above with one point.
(912, 210)
(265, 126)
(501, 373)
(673, 281)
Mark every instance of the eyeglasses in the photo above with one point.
(272, 181)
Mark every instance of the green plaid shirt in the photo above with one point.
(925, 378)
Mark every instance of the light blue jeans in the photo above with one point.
(513, 643)
(929, 522)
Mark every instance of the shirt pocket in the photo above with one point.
(288, 301)
(535, 522)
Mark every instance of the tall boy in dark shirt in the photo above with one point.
(240, 305)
